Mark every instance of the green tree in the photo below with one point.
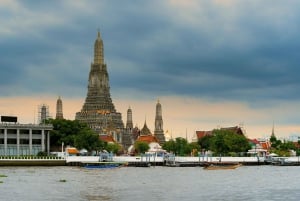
(89, 140)
(287, 145)
(297, 148)
(64, 131)
(113, 147)
(237, 143)
(170, 146)
(42, 153)
(275, 143)
(224, 142)
(182, 147)
(204, 142)
(74, 133)
(273, 139)
(194, 148)
(141, 147)
(217, 143)
(283, 148)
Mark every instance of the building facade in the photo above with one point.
(24, 139)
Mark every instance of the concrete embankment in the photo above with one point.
(32, 162)
(141, 161)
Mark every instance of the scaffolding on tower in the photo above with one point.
(43, 113)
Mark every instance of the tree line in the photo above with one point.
(224, 142)
(79, 135)
(220, 142)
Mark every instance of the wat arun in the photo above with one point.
(98, 110)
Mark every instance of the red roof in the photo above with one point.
(107, 138)
(235, 129)
(254, 141)
(147, 138)
(201, 134)
(297, 145)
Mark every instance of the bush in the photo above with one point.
(42, 153)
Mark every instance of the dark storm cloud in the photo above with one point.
(247, 51)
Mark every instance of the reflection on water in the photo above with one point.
(154, 183)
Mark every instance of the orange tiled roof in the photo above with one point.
(72, 151)
(265, 145)
(107, 138)
(147, 138)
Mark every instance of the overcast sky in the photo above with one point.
(211, 63)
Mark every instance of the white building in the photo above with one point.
(24, 139)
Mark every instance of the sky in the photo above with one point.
(210, 63)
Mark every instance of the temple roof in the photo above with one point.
(107, 138)
(235, 129)
(145, 130)
(147, 138)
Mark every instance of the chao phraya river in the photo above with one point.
(154, 183)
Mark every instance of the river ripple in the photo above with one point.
(154, 183)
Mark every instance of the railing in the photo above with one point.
(219, 159)
(18, 125)
(30, 158)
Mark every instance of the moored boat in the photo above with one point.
(103, 165)
(221, 166)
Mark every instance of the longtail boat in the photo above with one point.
(222, 166)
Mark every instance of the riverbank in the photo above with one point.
(33, 162)
(145, 161)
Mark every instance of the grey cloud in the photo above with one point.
(246, 54)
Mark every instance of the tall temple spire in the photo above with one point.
(98, 97)
(129, 123)
(273, 132)
(159, 131)
(98, 110)
(59, 109)
(98, 50)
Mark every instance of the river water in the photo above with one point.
(154, 183)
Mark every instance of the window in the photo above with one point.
(23, 131)
(11, 141)
(24, 141)
(36, 141)
(11, 131)
(36, 131)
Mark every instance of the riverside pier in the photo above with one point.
(170, 161)
(142, 161)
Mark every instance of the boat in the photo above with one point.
(221, 166)
(284, 161)
(103, 165)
